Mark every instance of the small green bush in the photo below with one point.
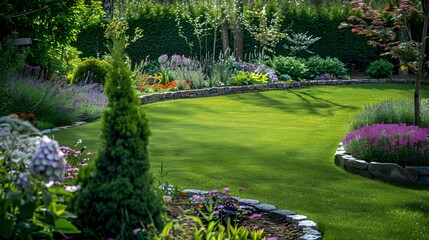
(289, 65)
(120, 196)
(391, 111)
(317, 66)
(92, 69)
(240, 78)
(380, 69)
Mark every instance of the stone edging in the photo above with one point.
(216, 91)
(308, 227)
(46, 131)
(382, 171)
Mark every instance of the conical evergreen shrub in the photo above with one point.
(120, 196)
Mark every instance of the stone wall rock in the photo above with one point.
(382, 171)
(308, 227)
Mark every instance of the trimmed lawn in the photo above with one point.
(279, 145)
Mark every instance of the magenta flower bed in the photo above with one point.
(397, 143)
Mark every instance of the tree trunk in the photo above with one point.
(420, 69)
(238, 33)
(214, 41)
(225, 37)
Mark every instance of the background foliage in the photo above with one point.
(159, 26)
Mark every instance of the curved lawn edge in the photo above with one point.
(217, 91)
(308, 227)
(389, 172)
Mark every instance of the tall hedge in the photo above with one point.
(120, 196)
(161, 36)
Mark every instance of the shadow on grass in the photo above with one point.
(421, 207)
(304, 101)
(424, 89)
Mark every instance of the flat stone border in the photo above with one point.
(216, 91)
(46, 131)
(382, 171)
(308, 227)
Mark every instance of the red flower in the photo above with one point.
(22, 115)
(31, 116)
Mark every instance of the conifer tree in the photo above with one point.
(120, 197)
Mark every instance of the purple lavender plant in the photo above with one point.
(46, 99)
(399, 143)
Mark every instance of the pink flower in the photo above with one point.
(255, 215)
(137, 230)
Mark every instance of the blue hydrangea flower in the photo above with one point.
(23, 180)
(48, 161)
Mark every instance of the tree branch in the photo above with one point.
(28, 13)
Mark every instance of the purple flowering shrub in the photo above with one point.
(397, 143)
(30, 203)
(181, 68)
(54, 103)
(262, 69)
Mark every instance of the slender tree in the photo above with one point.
(120, 196)
(381, 27)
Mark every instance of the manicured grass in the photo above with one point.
(279, 145)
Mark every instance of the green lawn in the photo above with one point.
(279, 145)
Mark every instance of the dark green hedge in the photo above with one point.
(161, 37)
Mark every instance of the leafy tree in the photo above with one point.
(120, 196)
(381, 27)
(50, 23)
(267, 32)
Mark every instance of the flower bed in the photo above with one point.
(391, 143)
(382, 171)
(393, 152)
(309, 228)
(215, 91)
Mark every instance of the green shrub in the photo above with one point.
(391, 111)
(12, 58)
(317, 66)
(120, 196)
(92, 69)
(289, 65)
(380, 69)
(240, 78)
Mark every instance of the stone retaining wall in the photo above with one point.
(308, 227)
(383, 171)
(216, 91)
